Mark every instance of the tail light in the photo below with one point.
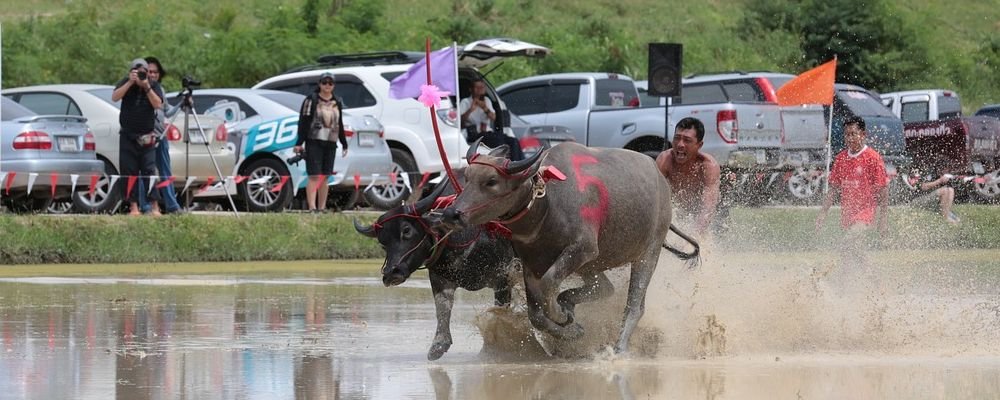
(381, 133)
(33, 140)
(221, 134)
(449, 116)
(634, 103)
(173, 134)
(727, 126)
(348, 132)
(530, 142)
(88, 142)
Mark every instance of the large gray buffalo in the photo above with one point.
(470, 258)
(572, 210)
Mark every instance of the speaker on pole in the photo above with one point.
(665, 69)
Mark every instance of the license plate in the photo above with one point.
(367, 139)
(67, 144)
(761, 156)
(196, 136)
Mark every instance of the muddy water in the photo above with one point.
(741, 326)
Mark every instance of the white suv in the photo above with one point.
(363, 83)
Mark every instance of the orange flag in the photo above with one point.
(814, 86)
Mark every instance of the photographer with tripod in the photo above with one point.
(167, 194)
(140, 97)
(320, 117)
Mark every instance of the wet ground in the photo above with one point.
(741, 326)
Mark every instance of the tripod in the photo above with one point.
(186, 102)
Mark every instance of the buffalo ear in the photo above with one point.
(501, 151)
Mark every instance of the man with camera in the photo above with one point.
(140, 98)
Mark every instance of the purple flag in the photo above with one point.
(443, 65)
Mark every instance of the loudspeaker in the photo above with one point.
(665, 69)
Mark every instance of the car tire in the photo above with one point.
(384, 197)
(27, 205)
(343, 200)
(62, 206)
(106, 198)
(989, 191)
(258, 197)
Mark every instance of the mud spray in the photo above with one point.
(833, 300)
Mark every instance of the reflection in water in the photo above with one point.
(296, 339)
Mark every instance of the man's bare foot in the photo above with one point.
(155, 213)
(134, 213)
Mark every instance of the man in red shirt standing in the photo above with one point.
(859, 177)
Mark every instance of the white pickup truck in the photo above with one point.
(599, 109)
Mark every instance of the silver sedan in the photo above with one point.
(40, 147)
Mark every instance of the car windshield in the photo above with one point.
(105, 94)
(288, 99)
(12, 110)
(862, 103)
(989, 112)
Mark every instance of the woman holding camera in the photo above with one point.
(140, 97)
(320, 118)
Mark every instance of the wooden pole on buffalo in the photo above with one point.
(437, 132)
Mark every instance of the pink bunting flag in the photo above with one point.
(53, 182)
(93, 186)
(166, 182)
(10, 180)
(131, 183)
(281, 184)
(357, 182)
(392, 177)
(208, 183)
(423, 180)
(239, 179)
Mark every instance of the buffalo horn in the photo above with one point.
(364, 230)
(425, 204)
(473, 150)
(517, 167)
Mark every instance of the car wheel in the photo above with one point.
(63, 206)
(391, 195)
(343, 200)
(105, 199)
(989, 190)
(263, 175)
(27, 205)
(804, 185)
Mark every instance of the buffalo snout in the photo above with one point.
(393, 276)
(451, 217)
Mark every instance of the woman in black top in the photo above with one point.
(320, 118)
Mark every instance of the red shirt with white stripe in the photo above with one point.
(860, 177)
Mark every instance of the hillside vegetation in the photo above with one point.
(880, 44)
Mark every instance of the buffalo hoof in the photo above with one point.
(570, 331)
(437, 350)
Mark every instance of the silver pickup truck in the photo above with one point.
(759, 144)
(599, 109)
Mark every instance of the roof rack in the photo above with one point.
(364, 59)
(716, 73)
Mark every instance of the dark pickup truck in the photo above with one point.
(940, 140)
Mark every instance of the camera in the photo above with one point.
(142, 75)
(294, 159)
(190, 82)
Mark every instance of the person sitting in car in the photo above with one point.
(478, 119)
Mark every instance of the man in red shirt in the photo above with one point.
(859, 177)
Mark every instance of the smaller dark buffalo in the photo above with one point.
(470, 259)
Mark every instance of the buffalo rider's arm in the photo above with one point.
(709, 196)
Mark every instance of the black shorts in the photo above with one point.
(320, 155)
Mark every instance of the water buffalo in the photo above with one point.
(606, 208)
(469, 258)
